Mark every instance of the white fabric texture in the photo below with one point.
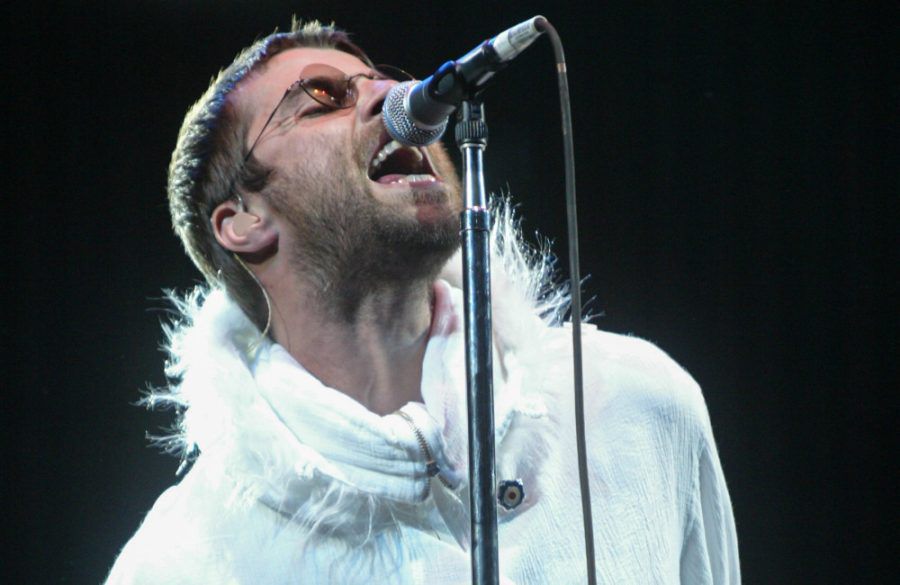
(298, 483)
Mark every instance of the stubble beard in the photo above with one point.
(349, 245)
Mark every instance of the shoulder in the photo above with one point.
(148, 556)
(635, 378)
(172, 544)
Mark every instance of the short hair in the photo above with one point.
(207, 164)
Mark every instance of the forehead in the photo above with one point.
(260, 91)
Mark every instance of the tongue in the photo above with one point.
(392, 178)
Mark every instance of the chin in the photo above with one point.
(432, 207)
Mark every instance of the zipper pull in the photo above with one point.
(431, 465)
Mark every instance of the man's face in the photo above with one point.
(342, 212)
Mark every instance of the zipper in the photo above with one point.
(431, 466)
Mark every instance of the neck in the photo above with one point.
(373, 354)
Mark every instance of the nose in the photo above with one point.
(371, 99)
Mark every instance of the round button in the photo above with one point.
(510, 493)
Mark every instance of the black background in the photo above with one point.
(738, 197)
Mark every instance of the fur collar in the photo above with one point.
(223, 414)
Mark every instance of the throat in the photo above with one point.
(375, 357)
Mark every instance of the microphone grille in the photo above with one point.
(400, 126)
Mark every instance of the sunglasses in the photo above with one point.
(330, 89)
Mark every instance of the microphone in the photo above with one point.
(416, 112)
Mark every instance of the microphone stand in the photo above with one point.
(471, 138)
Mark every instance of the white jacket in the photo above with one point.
(298, 483)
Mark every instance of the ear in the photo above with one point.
(241, 231)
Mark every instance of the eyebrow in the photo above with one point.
(371, 73)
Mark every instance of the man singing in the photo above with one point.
(320, 381)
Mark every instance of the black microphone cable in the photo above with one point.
(575, 290)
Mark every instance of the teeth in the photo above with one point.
(386, 151)
(413, 179)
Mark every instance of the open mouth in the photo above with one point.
(394, 163)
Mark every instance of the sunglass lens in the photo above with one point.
(327, 85)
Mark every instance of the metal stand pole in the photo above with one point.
(471, 137)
